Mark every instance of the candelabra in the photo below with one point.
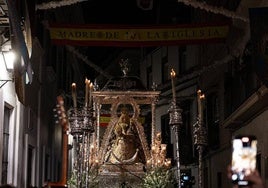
(82, 121)
(200, 136)
(158, 154)
(81, 127)
(175, 121)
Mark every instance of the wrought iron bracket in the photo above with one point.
(3, 82)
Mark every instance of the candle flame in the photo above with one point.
(74, 94)
(172, 73)
(201, 96)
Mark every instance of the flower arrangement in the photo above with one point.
(90, 181)
(159, 177)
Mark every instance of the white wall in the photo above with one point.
(218, 164)
(220, 160)
(8, 98)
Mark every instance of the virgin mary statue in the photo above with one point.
(124, 149)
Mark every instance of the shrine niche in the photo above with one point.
(123, 106)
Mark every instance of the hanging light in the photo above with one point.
(8, 58)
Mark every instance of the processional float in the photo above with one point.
(117, 154)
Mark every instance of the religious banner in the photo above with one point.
(135, 36)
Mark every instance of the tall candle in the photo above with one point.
(200, 98)
(90, 93)
(86, 92)
(172, 75)
(74, 94)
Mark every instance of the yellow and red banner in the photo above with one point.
(105, 119)
(134, 36)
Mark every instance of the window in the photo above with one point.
(165, 70)
(166, 135)
(185, 134)
(219, 179)
(46, 167)
(7, 114)
(30, 165)
(213, 120)
(240, 82)
(165, 66)
(182, 60)
(258, 162)
(205, 177)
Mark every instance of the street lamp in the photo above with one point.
(7, 58)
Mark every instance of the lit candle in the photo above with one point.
(90, 93)
(163, 150)
(74, 94)
(168, 162)
(86, 93)
(172, 75)
(200, 98)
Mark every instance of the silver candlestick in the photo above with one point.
(200, 137)
(175, 121)
(81, 127)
